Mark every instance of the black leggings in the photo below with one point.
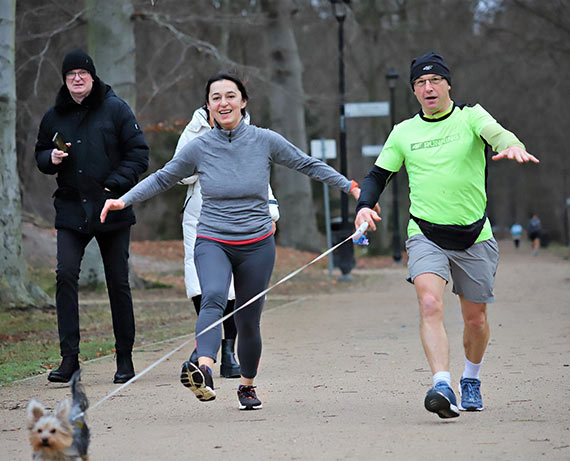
(251, 266)
(230, 330)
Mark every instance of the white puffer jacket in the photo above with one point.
(193, 204)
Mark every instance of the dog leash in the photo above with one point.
(357, 237)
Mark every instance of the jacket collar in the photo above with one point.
(230, 135)
(199, 120)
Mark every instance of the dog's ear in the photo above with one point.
(35, 411)
(62, 409)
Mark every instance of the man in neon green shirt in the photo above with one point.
(443, 148)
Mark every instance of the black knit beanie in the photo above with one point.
(77, 59)
(429, 63)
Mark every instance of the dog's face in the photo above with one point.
(49, 432)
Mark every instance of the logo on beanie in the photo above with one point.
(428, 67)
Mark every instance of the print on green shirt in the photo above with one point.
(434, 142)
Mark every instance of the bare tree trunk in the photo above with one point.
(15, 288)
(225, 33)
(297, 226)
(111, 40)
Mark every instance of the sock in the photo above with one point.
(472, 369)
(442, 376)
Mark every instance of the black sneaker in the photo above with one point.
(198, 380)
(248, 399)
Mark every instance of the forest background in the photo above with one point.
(511, 56)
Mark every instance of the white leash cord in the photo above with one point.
(355, 237)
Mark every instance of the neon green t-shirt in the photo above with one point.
(445, 161)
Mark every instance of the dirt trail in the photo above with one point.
(343, 376)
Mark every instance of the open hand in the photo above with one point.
(111, 204)
(516, 153)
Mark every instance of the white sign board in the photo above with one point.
(367, 109)
(323, 149)
(372, 151)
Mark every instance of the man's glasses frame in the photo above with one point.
(421, 82)
(82, 74)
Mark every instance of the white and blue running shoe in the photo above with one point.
(470, 393)
(440, 399)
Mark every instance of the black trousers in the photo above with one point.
(114, 247)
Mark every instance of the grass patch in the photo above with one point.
(29, 342)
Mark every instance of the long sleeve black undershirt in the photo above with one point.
(372, 186)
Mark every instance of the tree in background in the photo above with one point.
(15, 288)
(111, 44)
(287, 113)
(509, 55)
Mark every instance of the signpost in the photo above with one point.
(372, 150)
(325, 149)
(367, 109)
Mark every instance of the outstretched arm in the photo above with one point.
(152, 185)
(506, 144)
(286, 154)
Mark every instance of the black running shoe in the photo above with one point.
(248, 399)
(198, 380)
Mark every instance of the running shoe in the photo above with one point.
(198, 380)
(440, 399)
(248, 398)
(470, 393)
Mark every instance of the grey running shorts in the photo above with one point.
(472, 270)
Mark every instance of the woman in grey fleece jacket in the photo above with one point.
(234, 232)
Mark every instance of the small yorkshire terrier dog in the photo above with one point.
(63, 434)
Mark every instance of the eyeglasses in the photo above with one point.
(81, 74)
(434, 81)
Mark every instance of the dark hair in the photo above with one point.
(226, 76)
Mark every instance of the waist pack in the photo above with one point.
(451, 236)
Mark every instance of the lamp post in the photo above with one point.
(392, 78)
(346, 253)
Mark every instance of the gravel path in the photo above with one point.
(343, 377)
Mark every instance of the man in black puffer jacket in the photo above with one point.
(104, 157)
